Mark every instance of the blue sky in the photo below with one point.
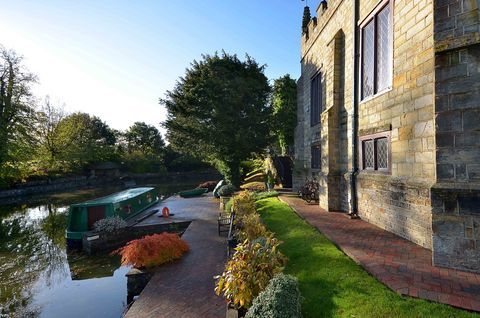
(115, 59)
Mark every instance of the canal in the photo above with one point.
(38, 278)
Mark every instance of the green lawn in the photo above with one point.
(331, 283)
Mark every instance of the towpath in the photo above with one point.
(186, 288)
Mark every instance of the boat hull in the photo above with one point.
(126, 205)
(192, 193)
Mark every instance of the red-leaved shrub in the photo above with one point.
(210, 185)
(152, 250)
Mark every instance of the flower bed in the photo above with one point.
(256, 259)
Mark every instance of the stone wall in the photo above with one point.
(327, 48)
(406, 110)
(456, 195)
(400, 201)
(431, 196)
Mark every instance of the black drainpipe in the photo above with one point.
(353, 182)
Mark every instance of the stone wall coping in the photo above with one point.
(461, 186)
(457, 42)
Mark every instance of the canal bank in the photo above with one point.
(186, 287)
(39, 278)
(32, 189)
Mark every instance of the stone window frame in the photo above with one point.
(361, 153)
(372, 16)
(314, 166)
(316, 106)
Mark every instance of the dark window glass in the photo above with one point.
(315, 100)
(368, 59)
(316, 157)
(384, 51)
(368, 154)
(377, 65)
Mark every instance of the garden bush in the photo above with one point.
(280, 299)
(251, 227)
(153, 250)
(228, 205)
(250, 269)
(110, 224)
(254, 186)
(226, 190)
(210, 185)
(244, 203)
(264, 195)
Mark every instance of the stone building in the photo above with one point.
(389, 118)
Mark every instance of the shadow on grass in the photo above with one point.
(331, 283)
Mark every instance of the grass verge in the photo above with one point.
(333, 285)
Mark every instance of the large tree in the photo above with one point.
(16, 111)
(219, 112)
(86, 139)
(284, 101)
(49, 117)
(144, 138)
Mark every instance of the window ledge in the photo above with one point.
(369, 98)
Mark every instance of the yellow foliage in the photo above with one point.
(249, 271)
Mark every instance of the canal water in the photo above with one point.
(38, 278)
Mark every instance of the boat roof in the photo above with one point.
(116, 197)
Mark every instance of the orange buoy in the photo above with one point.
(165, 212)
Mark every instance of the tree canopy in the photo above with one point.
(16, 101)
(144, 138)
(284, 101)
(219, 112)
(85, 139)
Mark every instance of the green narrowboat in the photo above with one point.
(125, 204)
(192, 193)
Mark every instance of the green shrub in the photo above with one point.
(250, 269)
(264, 195)
(228, 205)
(226, 190)
(281, 299)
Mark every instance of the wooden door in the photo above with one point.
(95, 213)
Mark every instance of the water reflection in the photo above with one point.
(37, 276)
(36, 273)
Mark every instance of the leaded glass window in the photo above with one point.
(368, 59)
(375, 152)
(368, 154)
(377, 56)
(382, 153)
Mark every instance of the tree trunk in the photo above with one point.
(233, 173)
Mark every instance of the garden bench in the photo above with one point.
(231, 239)
(224, 222)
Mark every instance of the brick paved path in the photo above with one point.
(186, 288)
(400, 264)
